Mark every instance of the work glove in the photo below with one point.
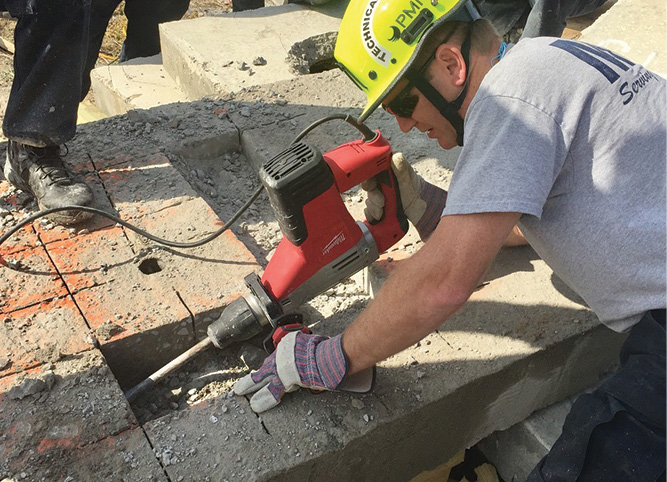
(422, 202)
(301, 360)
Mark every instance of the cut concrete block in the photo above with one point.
(139, 84)
(210, 56)
(221, 440)
(636, 29)
(47, 414)
(84, 261)
(139, 322)
(516, 451)
(40, 334)
(28, 277)
(124, 457)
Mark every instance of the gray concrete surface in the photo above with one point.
(137, 84)
(636, 29)
(241, 49)
(516, 451)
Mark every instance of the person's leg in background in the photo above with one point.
(547, 18)
(143, 17)
(51, 41)
(101, 12)
(617, 432)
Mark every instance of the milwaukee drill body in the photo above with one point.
(322, 243)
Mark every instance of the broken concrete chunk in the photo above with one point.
(252, 356)
(305, 56)
(27, 388)
(108, 330)
(142, 116)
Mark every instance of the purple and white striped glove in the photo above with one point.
(302, 361)
(422, 202)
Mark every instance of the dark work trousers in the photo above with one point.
(143, 17)
(57, 43)
(543, 18)
(547, 17)
(617, 432)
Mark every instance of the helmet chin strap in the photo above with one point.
(449, 110)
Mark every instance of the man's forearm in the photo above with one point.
(428, 288)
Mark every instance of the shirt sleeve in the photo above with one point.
(512, 155)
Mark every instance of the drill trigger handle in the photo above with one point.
(283, 325)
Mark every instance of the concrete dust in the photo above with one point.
(75, 397)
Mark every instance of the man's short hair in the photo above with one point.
(484, 37)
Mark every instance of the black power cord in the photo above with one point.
(368, 136)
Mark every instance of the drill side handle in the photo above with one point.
(393, 225)
(358, 161)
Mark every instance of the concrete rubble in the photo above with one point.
(86, 313)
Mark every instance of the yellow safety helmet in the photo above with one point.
(378, 40)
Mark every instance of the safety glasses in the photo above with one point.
(403, 105)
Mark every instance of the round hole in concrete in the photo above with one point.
(150, 266)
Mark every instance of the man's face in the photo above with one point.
(412, 110)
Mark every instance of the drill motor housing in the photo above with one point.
(323, 244)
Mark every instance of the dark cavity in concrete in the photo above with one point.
(151, 266)
(313, 55)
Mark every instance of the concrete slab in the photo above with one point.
(48, 413)
(517, 450)
(240, 49)
(137, 84)
(40, 334)
(636, 29)
(141, 304)
(28, 277)
(139, 323)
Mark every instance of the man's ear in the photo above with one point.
(451, 64)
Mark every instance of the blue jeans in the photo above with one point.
(617, 432)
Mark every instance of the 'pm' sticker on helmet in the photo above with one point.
(374, 49)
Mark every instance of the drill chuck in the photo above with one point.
(238, 322)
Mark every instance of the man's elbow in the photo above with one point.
(440, 302)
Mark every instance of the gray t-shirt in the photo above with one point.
(574, 137)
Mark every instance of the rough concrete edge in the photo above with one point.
(180, 63)
(105, 98)
(396, 450)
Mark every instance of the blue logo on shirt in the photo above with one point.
(608, 64)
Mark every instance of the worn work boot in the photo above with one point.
(40, 172)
